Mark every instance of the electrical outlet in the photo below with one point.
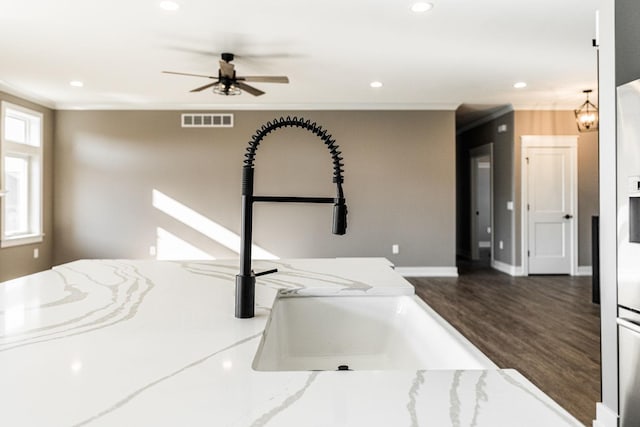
(501, 244)
(152, 251)
(36, 253)
(395, 249)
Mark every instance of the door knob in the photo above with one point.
(568, 216)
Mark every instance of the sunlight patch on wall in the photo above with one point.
(171, 247)
(203, 225)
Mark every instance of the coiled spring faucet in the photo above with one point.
(246, 280)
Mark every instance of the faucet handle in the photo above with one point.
(340, 218)
(262, 273)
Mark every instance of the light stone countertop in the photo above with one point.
(156, 343)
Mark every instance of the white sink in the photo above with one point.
(362, 333)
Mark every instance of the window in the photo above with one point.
(21, 176)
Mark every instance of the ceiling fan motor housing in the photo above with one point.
(227, 83)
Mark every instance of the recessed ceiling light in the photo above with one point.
(169, 6)
(76, 83)
(421, 6)
(375, 84)
(520, 85)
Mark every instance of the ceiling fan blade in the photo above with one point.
(207, 86)
(252, 90)
(226, 69)
(265, 79)
(189, 74)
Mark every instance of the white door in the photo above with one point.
(551, 209)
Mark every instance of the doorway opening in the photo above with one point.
(481, 173)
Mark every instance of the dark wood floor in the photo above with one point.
(544, 326)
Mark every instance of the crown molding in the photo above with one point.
(27, 96)
(263, 107)
(485, 119)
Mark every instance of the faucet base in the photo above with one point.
(245, 296)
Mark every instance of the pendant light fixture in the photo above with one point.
(587, 115)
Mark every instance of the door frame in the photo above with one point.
(474, 154)
(548, 141)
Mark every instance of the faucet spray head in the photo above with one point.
(339, 217)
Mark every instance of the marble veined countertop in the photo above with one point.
(156, 343)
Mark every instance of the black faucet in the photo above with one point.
(246, 280)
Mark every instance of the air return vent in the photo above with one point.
(207, 120)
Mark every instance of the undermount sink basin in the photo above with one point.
(362, 333)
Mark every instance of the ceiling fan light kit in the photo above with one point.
(227, 83)
(230, 90)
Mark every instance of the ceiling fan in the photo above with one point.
(227, 83)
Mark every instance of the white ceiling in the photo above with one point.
(462, 51)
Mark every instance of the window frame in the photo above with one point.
(33, 150)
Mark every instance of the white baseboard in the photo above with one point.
(512, 270)
(584, 270)
(516, 270)
(428, 271)
(605, 417)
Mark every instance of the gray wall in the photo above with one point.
(399, 184)
(18, 261)
(503, 185)
(507, 178)
(627, 16)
